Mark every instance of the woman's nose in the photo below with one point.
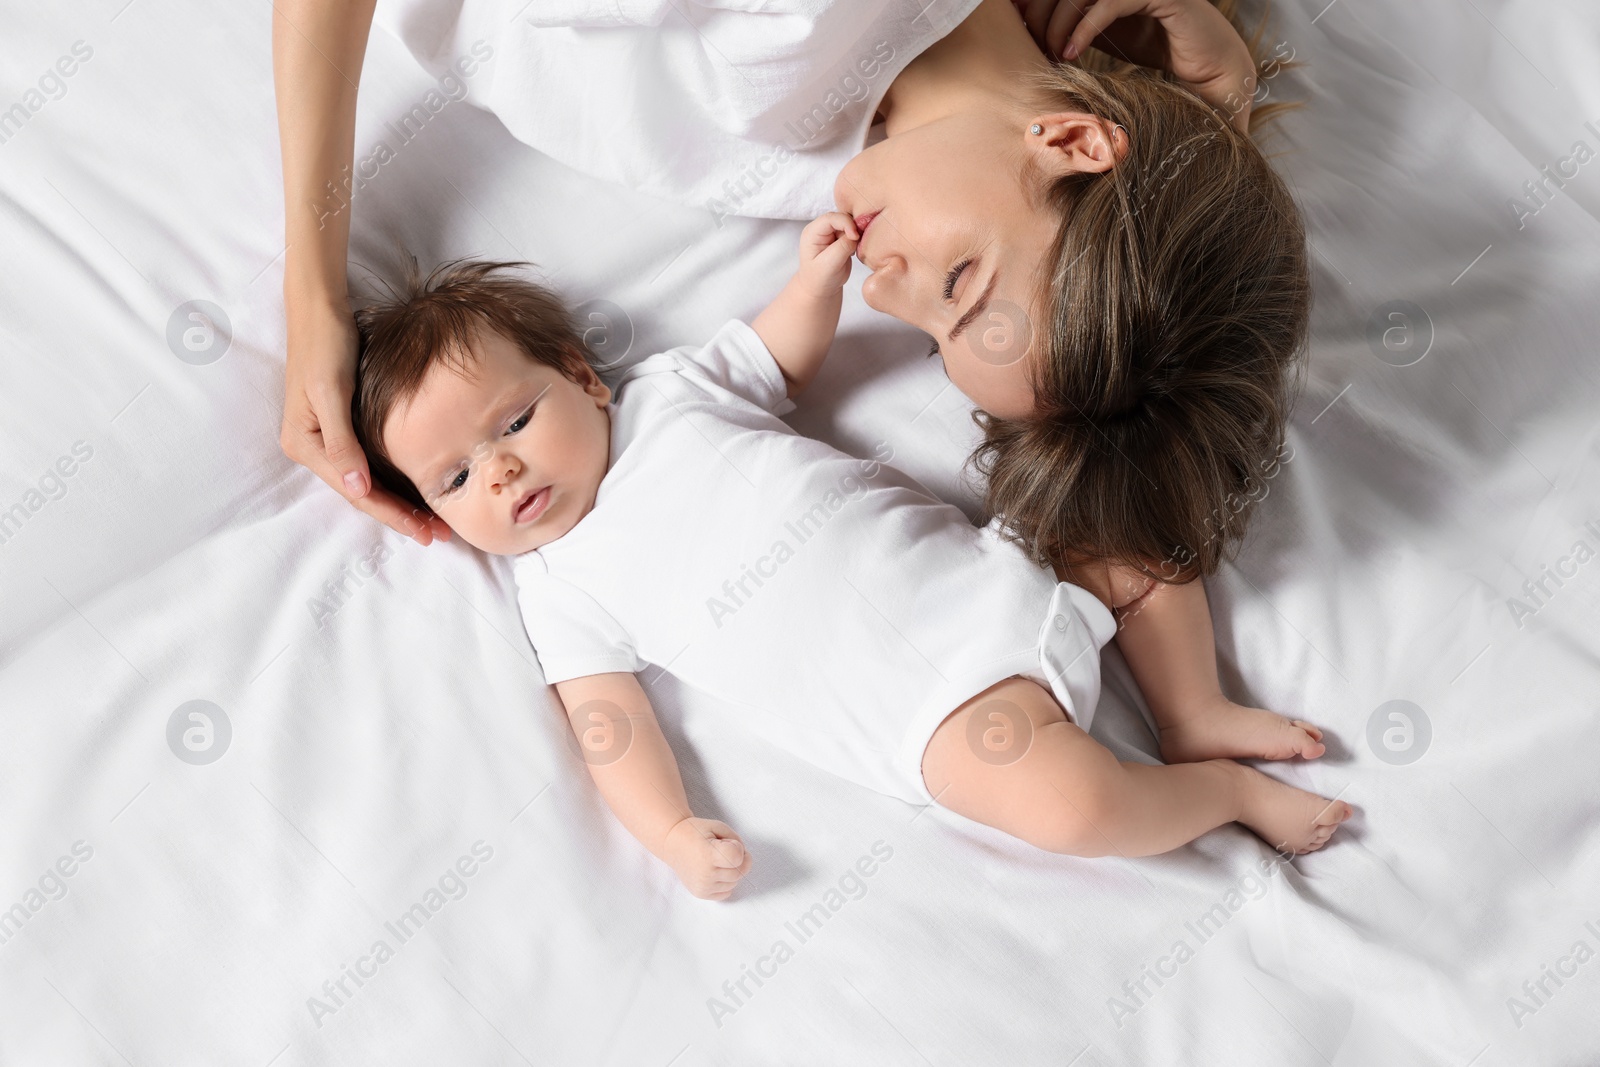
(884, 288)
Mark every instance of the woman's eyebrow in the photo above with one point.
(976, 309)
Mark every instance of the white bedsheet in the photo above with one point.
(384, 733)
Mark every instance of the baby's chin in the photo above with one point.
(514, 541)
(502, 542)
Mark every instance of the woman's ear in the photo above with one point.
(1075, 142)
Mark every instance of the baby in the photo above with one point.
(851, 618)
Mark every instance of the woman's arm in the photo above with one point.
(317, 52)
(633, 767)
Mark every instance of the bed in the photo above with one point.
(282, 788)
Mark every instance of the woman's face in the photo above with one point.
(957, 236)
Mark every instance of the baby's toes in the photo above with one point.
(1308, 739)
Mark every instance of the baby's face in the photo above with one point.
(511, 453)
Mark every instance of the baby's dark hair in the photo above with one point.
(435, 320)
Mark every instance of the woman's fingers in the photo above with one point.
(421, 526)
(1063, 20)
(339, 444)
(1094, 22)
(306, 447)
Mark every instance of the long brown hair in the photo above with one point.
(1177, 300)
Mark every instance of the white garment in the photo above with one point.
(744, 108)
(845, 610)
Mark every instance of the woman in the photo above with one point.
(1107, 266)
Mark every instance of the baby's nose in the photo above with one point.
(504, 466)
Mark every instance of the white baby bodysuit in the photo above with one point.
(837, 603)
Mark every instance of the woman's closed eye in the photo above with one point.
(954, 276)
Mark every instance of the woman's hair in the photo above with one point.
(435, 320)
(1176, 302)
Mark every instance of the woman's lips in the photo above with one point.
(862, 222)
(532, 506)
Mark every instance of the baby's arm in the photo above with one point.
(1165, 634)
(798, 326)
(633, 767)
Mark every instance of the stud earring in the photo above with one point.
(1036, 129)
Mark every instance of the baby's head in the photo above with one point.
(475, 400)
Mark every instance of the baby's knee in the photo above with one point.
(1080, 822)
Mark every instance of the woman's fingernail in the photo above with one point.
(354, 482)
(1071, 52)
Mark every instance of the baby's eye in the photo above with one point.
(522, 420)
(455, 483)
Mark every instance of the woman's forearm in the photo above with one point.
(317, 52)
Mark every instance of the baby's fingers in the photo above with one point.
(825, 230)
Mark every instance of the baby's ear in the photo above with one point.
(585, 375)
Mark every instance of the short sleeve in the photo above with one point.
(572, 635)
(1076, 627)
(737, 360)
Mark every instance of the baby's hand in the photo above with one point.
(708, 856)
(826, 245)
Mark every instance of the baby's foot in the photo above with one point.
(1288, 819)
(1225, 730)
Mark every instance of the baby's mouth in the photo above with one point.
(531, 506)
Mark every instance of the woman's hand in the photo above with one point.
(317, 432)
(708, 857)
(1191, 39)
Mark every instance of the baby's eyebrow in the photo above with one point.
(976, 309)
(501, 404)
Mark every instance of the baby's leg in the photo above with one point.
(1009, 758)
(1165, 634)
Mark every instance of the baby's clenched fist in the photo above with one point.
(708, 856)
